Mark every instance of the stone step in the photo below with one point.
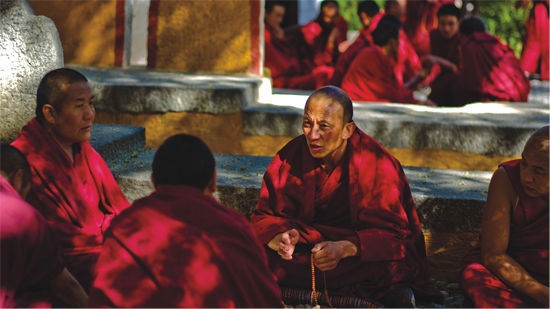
(114, 142)
(448, 201)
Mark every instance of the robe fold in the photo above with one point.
(489, 72)
(366, 200)
(535, 53)
(371, 77)
(528, 245)
(78, 199)
(180, 248)
(30, 257)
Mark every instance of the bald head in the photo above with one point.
(539, 141)
(336, 95)
(15, 168)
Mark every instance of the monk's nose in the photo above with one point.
(314, 133)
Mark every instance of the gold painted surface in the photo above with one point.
(86, 29)
(445, 252)
(204, 36)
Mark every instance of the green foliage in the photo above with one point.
(348, 9)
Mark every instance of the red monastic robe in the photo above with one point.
(536, 47)
(30, 257)
(371, 77)
(315, 37)
(441, 79)
(528, 245)
(180, 248)
(365, 200)
(78, 199)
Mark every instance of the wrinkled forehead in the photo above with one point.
(323, 107)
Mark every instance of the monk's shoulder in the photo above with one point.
(292, 149)
(501, 185)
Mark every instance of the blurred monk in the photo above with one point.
(535, 55)
(179, 247)
(32, 272)
(372, 77)
(282, 59)
(71, 184)
(336, 198)
(489, 69)
(509, 267)
(369, 14)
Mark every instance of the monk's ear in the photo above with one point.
(49, 113)
(211, 187)
(349, 128)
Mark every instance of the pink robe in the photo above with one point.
(535, 52)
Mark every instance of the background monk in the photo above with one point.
(179, 247)
(509, 269)
(286, 68)
(489, 69)
(32, 272)
(71, 184)
(535, 54)
(369, 14)
(335, 195)
(372, 76)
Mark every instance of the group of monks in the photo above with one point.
(335, 215)
(409, 44)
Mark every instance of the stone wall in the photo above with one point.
(29, 47)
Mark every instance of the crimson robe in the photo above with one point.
(528, 245)
(441, 79)
(489, 72)
(371, 77)
(315, 36)
(180, 248)
(366, 200)
(536, 46)
(30, 257)
(78, 199)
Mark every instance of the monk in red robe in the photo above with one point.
(372, 75)
(71, 184)
(179, 247)
(282, 59)
(32, 272)
(370, 15)
(489, 69)
(535, 55)
(335, 198)
(509, 268)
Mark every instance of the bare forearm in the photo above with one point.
(67, 289)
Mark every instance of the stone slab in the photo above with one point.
(447, 200)
(115, 142)
(142, 91)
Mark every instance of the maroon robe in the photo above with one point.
(535, 52)
(489, 72)
(78, 199)
(528, 245)
(30, 257)
(180, 248)
(371, 77)
(441, 79)
(315, 37)
(365, 200)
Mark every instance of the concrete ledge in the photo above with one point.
(114, 142)
(447, 200)
(141, 91)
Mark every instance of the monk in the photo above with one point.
(336, 198)
(286, 68)
(372, 76)
(369, 15)
(71, 184)
(32, 272)
(535, 54)
(179, 247)
(509, 266)
(489, 69)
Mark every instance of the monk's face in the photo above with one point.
(447, 26)
(73, 119)
(275, 17)
(534, 172)
(324, 128)
(330, 14)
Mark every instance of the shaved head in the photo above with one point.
(539, 141)
(336, 95)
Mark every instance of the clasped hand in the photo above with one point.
(327, 254)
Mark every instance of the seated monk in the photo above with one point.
(32, 272)
(285, 66)
(509, 266)
(369, 15)
(535, 55)
(489, 69)
(71, 184)
(336, 198)
(179, 247)
(371, 76)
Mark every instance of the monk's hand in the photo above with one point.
(285, 243)
(327, 254)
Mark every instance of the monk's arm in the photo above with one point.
(441, 61)
(495, 236)
(67, 289)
